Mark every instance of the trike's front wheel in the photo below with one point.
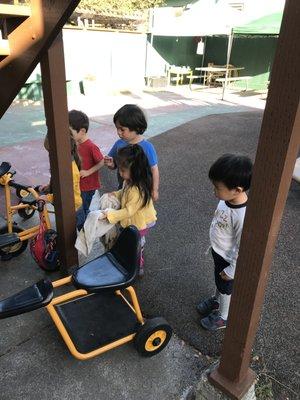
(153, 337)
(6, 253)
(27, 212)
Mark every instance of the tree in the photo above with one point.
(117, 6)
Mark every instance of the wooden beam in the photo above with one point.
(27, 41)
(56, 111)
(275, 159)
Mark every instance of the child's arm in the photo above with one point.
(133, 204)
(48, 198)
(117, 194)
(153, 162)
(229, 272)
(109, 162)
(155, 177)
(87, 172)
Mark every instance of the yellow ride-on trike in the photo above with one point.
(13, 239)
(96, 315)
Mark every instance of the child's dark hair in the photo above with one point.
(232, 170)
(134, 158)
(78, 120)
(74, 152)
(131, 117)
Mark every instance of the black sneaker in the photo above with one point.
(213, 322)
(207, 306)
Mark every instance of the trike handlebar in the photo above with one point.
(18, 185)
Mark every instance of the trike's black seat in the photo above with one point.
(8, 239)
(115, 269)
(38, 295)
(4, 168)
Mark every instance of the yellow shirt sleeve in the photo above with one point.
(76, 185)
(118, 194)
(132, 204)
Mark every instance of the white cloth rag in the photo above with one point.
(95, 228)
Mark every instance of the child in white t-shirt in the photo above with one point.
(231, 177)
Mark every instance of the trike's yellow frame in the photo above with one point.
(135, 307)
(12, 209)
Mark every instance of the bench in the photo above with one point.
(234, 79)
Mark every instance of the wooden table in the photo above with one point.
(215, 72)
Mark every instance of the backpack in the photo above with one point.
(43, 247)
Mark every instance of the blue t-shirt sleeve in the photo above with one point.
(146, 146)
(150, 152)
(114, 150)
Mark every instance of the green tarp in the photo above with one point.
(267, 25)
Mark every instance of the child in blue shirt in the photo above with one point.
(131, 123)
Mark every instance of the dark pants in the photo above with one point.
(224, 287)
(80, 218)
(86, 200)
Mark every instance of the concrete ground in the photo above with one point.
(178, 273)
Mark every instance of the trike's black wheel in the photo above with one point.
(26, 213)
(152, 337)
(22, 193)
(13, 250)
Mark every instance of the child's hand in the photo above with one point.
(103, 216)
(44, 197)
(109, 162)
(154, 195)
(84, 173)
(44, 188)
(224, 276)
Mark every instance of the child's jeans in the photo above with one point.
(86, 200)
(80, 218)
(224, 288)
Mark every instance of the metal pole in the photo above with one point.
(230, 40)
(151, 25)
(275, 160)
(56, 111)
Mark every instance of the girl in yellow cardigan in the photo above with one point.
(135, 196)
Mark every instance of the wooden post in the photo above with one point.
(56, 111)
(276, 154)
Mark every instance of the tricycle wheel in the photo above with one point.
(153, 337)
(26, 213)
(6, 253)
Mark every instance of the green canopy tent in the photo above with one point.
(267, 25)
(264, 26)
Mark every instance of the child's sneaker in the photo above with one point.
(213, 322)
(207, 306)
